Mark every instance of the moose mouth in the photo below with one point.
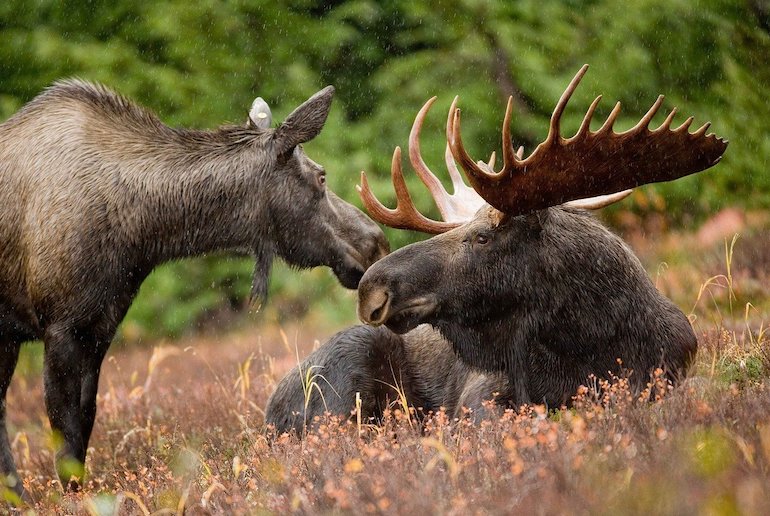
(401, 319)
(354, 263)
(349, 277)
(409, 318)
(350, 269)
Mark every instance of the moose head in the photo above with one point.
(308, 224)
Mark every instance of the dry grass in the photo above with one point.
(180, 429)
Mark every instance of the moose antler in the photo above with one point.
(455, 209)
(579, 172)
(590, 163)
(405, 216)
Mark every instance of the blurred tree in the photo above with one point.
(201, 63)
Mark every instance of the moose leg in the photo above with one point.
(9, 354)
(62, 382)
(92, 364)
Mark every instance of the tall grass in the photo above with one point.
(181, 430)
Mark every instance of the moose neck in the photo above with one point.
(494, 346)
(195, 197)
(587, 307)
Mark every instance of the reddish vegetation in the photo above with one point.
(180, 427)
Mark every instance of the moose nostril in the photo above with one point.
(373, 308)
(375, 316)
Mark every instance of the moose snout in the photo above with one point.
(357, 259)
(373, 305)
(380, 247)
(373, 244)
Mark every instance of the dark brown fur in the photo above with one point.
(96, 191)
(527, 307)
(377, 363)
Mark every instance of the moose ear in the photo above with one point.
(536, 220)
(305, 122)
(260, 116)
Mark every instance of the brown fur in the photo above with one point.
(95, 192)
(517, 309)
(375, 362)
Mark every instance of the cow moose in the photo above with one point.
(522, 295)
(95, 191)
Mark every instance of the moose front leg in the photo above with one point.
(9, 354)
(62, 382)
(91, 367)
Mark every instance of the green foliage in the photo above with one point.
(742, 370)
(183, 295)
(30, 359)
(201, 63)
(711, 451)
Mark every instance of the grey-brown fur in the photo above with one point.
(375, 362)
(528, 307)
(96, 191)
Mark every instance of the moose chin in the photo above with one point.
(96, 191)
(523, 294)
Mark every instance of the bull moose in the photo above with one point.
(95, 191)
(522, 294)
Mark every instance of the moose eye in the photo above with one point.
(322, 179)
(481, 239)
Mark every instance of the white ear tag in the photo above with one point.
(260, 116)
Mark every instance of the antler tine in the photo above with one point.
(405, 216)
(454, 174)
(476, 174)
(607, 126)
(700, 132)
(667, 122)
(600, 201)
(465, 201)
(558, 111)
(644, 123)
(509, 155)
(685, 126)
(585, 126)
(429, 179)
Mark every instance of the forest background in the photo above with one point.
(200, 64)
